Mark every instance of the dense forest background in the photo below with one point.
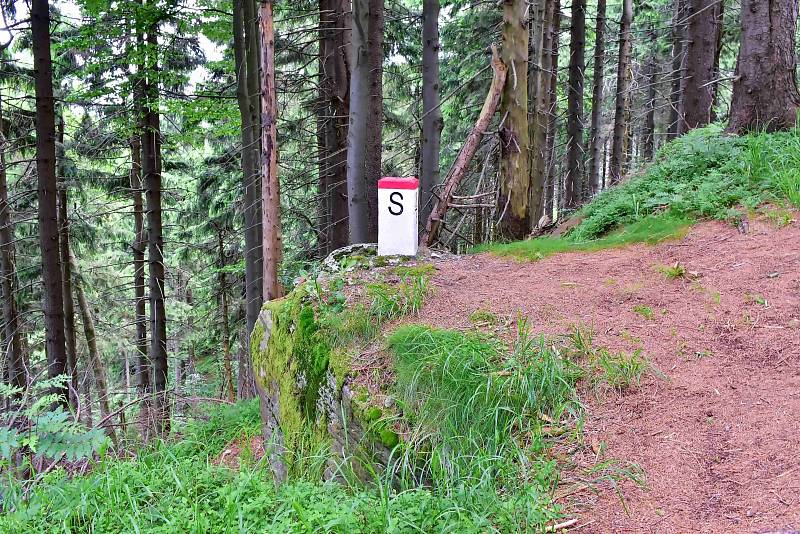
(168, 166)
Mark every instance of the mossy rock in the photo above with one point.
(304, 384)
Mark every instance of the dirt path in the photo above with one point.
(719, 441)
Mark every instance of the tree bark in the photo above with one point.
(678, 70)
(366, 120)
(66, 281)
(595, 146)
(538, 94)
(651, 72)
(139, 287)
(334, 109)
(577, 65)
(704, 34)
(432, 114)
(358, 209)
(250, 178)
(622, 108)
(374, 114)
(53, 302)
(551, 189)
(96, 363)
(514, 221)
(151, 156)
(17, 375)
(272, 245)
(765, 95)
(226, 333)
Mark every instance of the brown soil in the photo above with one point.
(719, 441)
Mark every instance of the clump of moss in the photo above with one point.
(313, 335)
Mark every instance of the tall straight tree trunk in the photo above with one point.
(53, 302)
(622, 108)
(272, 245)
(358, 209)
(765, 95)
(678, 70)
(538, 112)
(702, 62)
(577, 65)
(551, 189)
(651, 73)
(431, 113)
(595, 145)
(250, 181)
(12, 345)
(139, 287)
(514, 222)
(223, 311)
(66, 281)
(374, 114)
(96, 363)
(334, 109)
(151, 156)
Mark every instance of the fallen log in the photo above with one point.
(459, 168)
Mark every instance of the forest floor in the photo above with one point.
(718, 436)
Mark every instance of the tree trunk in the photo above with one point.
(374, 114)
(16, 373)
(252, 41)
(358, 216)
(577, 65)
(765, 95)
(96, 363)
(53, 302)
(66, 281)
(139, 287)
(514, 221)
(431, 113)
(151, 156)
(551, 190)
(226, 333)
(595, 145)
(366, 120)
(622, 108)
(678, 70)
(538, 94)
(702, 62)
(456, 173)
(270, 185)
(250, 179)
(651, 72)
(334, 109)
(245, 382)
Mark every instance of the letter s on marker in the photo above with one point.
(396, 203)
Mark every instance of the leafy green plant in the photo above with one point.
(672, 272)
(619, 370)
(41, 426)
(644, 311)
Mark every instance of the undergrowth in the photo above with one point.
(175, 487)
(703, 174)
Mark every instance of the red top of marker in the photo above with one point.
(393, 182)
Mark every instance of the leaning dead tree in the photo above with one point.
(458, 170)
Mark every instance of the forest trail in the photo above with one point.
(719, 439)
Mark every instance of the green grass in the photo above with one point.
(174, 487)
(651, 230)
(704, 174)
(475, 411)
